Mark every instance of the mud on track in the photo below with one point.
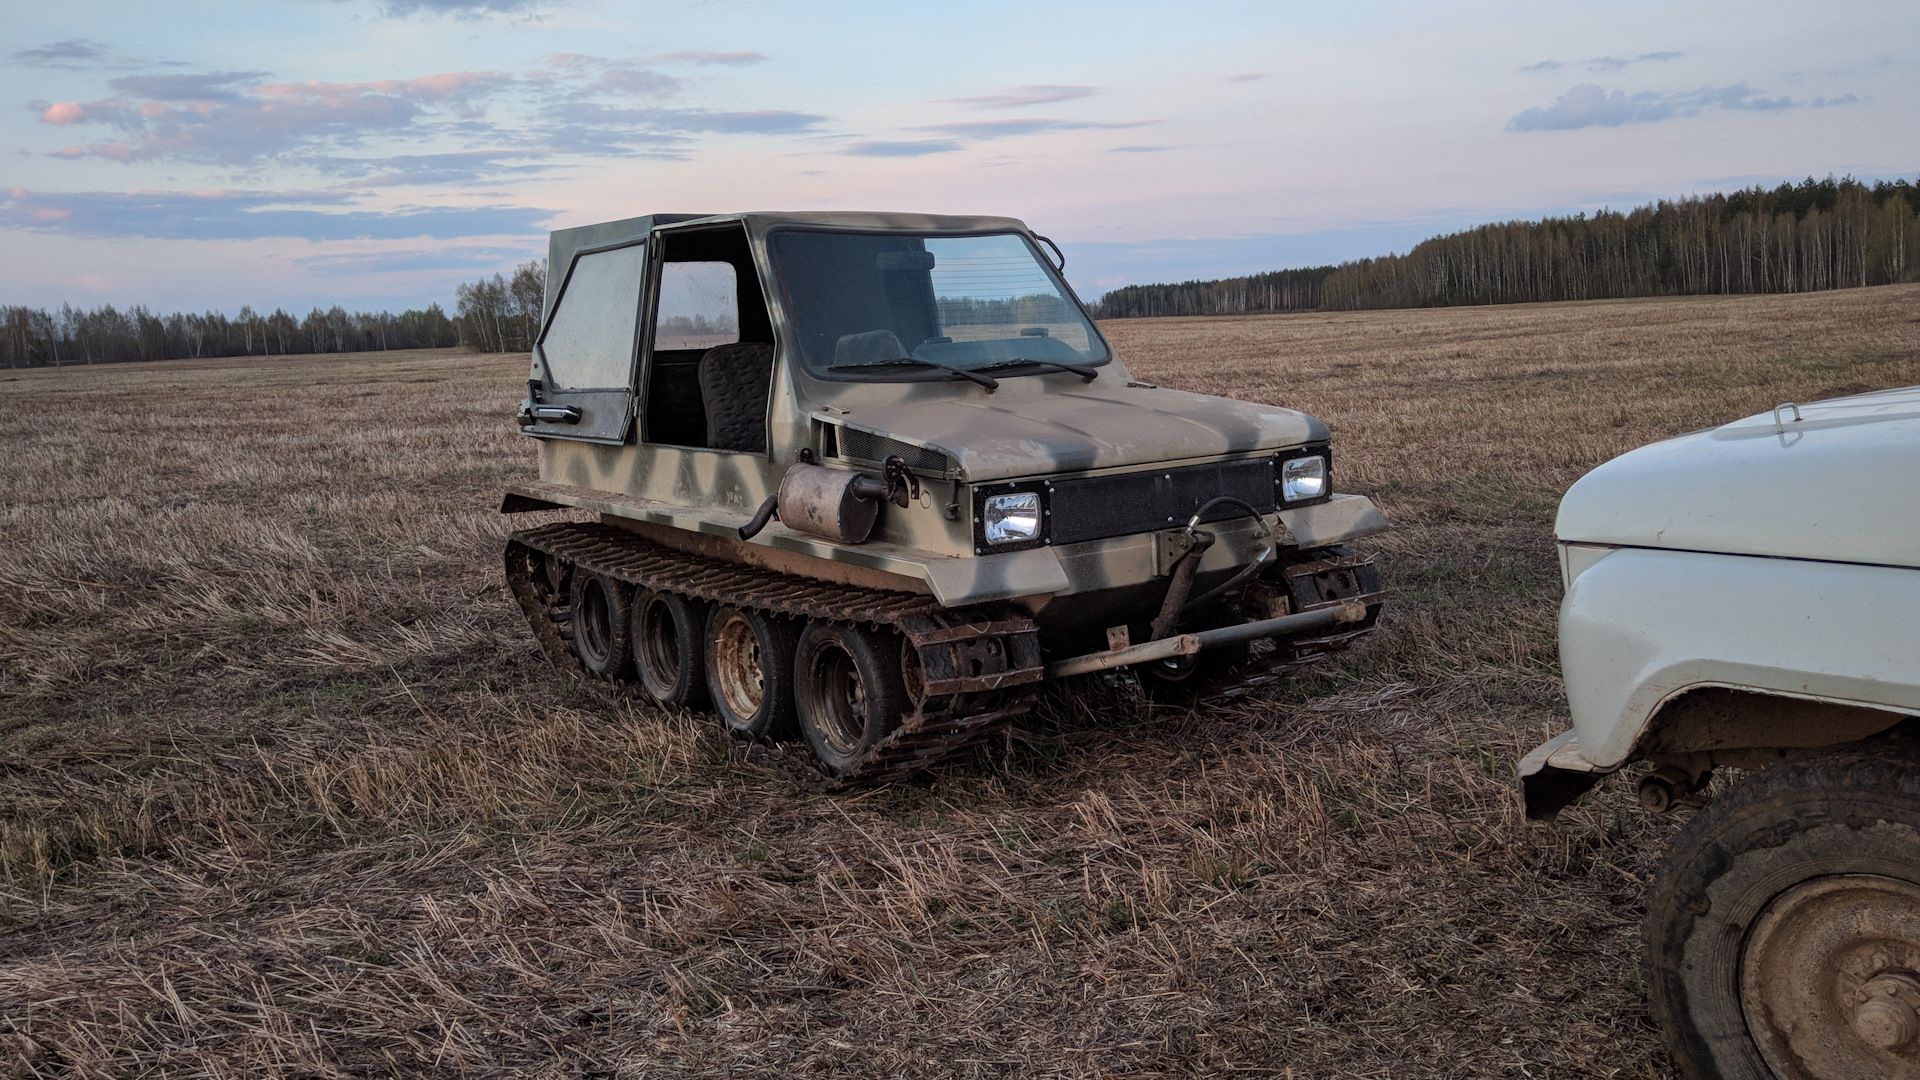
(285, 788)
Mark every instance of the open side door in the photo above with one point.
(581, 384)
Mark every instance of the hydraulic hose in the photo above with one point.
(1180, 586)
(1235, 582)
(1176, 603)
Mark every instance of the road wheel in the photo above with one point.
(669, 649)
(600, 624)
(1184, 680)
(848, 691)
(749, 665)
(1783, 930)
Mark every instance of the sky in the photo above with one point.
(375, 153)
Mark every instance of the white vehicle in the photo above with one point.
(1748, 597)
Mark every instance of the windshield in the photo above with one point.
(859, 300)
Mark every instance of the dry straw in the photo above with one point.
(286, 791)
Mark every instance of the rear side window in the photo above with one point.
(699, 306)
(589, 343)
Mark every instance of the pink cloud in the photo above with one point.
(64, 113)
(236, 118)
(426, 88)
(124, 152)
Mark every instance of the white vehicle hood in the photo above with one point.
(1841, 484)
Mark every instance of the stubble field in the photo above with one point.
(286, 790)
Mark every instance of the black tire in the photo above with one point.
(669, 639)
(1783, 929)
(600, 624)
(1184, 680)
(749, 669)
(848, 691)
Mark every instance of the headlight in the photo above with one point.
(1012, 517)
(1303, 478)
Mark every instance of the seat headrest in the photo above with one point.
(868, 347)
(738, 353)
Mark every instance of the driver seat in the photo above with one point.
(736, 382)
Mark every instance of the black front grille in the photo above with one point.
(1137, 502)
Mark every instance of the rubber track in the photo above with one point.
(941, 727)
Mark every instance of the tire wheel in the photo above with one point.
(1783, 929)
(669, 649)
(749, 667)
(848, 691)
(600, 624)
(1184, 680)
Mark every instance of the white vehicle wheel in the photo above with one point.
(1783, 931)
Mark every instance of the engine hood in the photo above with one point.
(1840, 484)
(1025, 429)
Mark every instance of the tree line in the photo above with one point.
(1805, 237)
(493, 315)
(38, 337)
(501, 313)
(1030, 309)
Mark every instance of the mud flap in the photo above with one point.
(1554, 775)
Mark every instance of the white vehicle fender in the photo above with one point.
(1640, 626)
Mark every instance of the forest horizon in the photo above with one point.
(1811, 236)
(1806, 237)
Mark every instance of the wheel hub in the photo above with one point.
(737, 663)
(842, 705)
(1830, 979)
(660, 641)
(1887, 1019)
(594, 630)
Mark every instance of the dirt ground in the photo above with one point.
(286, 789)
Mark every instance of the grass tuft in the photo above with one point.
(286, 789)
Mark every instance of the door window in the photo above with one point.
(589, 342)
(699, 306)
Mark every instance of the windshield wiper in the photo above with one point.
(987, 381)
(1082, 370)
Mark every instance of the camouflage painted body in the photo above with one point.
(1040, 426)
(971, 624)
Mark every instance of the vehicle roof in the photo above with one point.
(761, 220)
(563, 243)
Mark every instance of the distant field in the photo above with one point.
(286, 789)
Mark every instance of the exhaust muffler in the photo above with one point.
(832, 503)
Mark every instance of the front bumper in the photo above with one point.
(1312, 607)
(1189, 644)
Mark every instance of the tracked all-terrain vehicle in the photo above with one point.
(875, 479)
